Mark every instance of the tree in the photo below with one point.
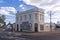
(2, 19)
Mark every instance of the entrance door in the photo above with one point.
(21, 27)
(17, 27)
(36, 27)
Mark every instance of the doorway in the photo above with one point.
(36, 27)
(20, 27)
(17, 27)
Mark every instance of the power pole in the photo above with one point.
(50, 21)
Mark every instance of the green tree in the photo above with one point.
(2, 19)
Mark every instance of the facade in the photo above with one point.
(30, 21)
(14, 27)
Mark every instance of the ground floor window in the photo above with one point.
(41, 27)
(25, 26)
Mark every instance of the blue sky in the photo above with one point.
(10, 7)
(7, 5)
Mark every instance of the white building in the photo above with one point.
(30, 21)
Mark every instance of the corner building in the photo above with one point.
(30, 21)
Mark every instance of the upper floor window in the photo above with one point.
(30, 16)
(41, 17)
(36, 16)
(17, 18)
(25, 17)
(20, 17)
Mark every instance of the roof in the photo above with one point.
(35, 9)
(10, 24)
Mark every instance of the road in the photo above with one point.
(29, 36)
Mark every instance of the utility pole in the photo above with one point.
(50, 21)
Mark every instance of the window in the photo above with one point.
(41, 17)
(20, 17)
(30, 16)
(17, 19)
(25, 17)
(36, 16)
(41, 27)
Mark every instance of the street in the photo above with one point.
(29, 36)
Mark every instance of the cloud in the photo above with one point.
(22, 6)
(56, 17)
(56, 8)
(10, 19)
(7, 10)
(4, 12)
(48, 5)
(46, 18)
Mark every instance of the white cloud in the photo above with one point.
(48, 5)
(4, 12)
(56, 8)
(56, 17)
(7, 10)
(46, 18)
(22, 7)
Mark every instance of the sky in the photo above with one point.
(10, 8)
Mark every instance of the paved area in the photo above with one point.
(30, 36)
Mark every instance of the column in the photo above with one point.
(38, 27)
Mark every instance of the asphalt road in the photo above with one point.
(29, 36)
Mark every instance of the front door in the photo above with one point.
(17, 27)
(21, 27)
(36, 27)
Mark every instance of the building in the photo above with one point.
(48, 28)
(9, 26)
(14, 26)
(30, 21)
